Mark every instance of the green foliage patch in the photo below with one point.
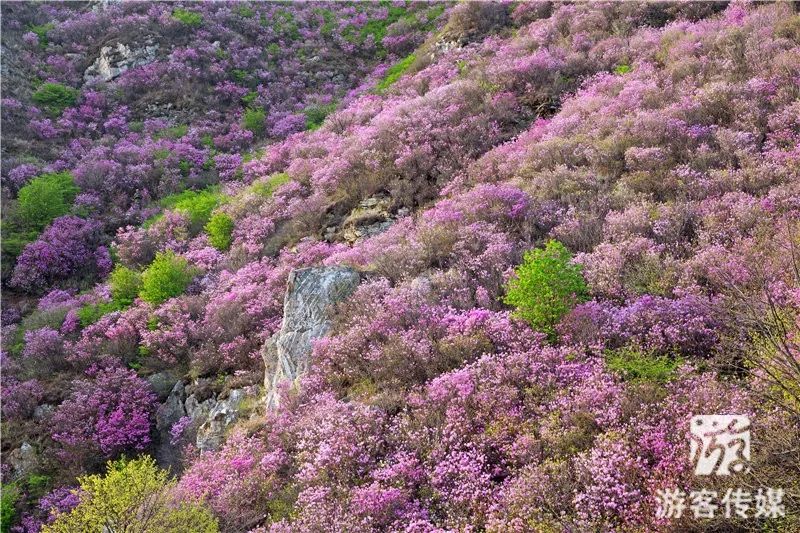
(220, 229)
(166, 277)
(315, 115)
(546, 286)
(55, 97)
(132, 496)
(190, 18)
(196, 205)
(41, 32)
(395, 72)
(45, 198)
(635, 365)
(125, 285)
(253, 120)
(266, 188)
(8, 501)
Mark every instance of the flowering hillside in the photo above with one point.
(573, 229)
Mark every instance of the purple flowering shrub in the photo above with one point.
(69, 249)
(104, 417)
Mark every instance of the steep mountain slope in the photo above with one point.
(650, 153)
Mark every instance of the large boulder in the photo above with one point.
(163, 383)
(311, 294)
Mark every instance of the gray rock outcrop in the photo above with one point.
(311, 293)
(114, 60)
(23, 461)
(167, 415)
(211, 433)
(209, 421)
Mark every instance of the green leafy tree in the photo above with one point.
(546, 286)
(125, 285)
(133, 497)
(220, 229)
(166, 277)
(197, 205)
(44, 198)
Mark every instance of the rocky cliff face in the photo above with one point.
(310, 295)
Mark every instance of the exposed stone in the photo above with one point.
(116, 59)
(168, 413)
(224, 413)
(43, 412)
(198, 411)
(23, 461)
(311, 293)
(371, 217)
(163, 384)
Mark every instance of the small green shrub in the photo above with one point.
(37, 485)
(315, 115)
(634, 365)
(190, 18)
(44, 198)
(125, 285)
(245, 11)
(249, 98)
(185, 167)
(546, 286)
(622, 69)
(253, 120)
(197, 205)
(395, 72)
(8, 502)
(220, 229)
(15, 239)
(55, 97)
(166, 277)
(239, 75)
